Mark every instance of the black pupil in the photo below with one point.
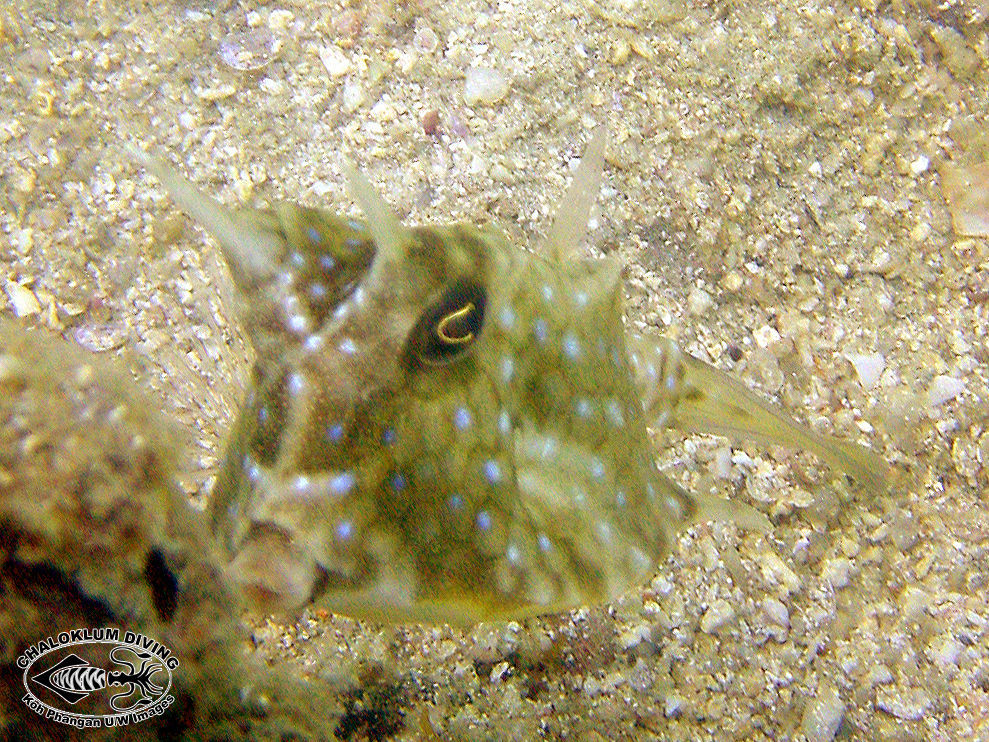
(448, 328)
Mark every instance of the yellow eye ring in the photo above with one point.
(443, 326)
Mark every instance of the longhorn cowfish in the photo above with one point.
(443, 427)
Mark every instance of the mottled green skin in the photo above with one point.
(444, 427)
(514, 478)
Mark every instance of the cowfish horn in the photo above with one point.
(391, 237)
(570, 222)
(251, 252)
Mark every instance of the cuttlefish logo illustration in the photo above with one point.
(98, 677)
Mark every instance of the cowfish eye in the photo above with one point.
(449, 327)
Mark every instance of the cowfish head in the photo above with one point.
(441, 426)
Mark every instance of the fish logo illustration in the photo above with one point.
(73, 676)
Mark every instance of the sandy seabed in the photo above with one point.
(776, 186)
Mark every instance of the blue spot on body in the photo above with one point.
(571, 346)
(398, 481)
(455, 502)
(547, 293)
(549, 448)
(543, 541)
(597, 468)
(355, 225)
(580, 299)
(388, 436)
(295, 384)
(540, 330)
(506, 317)
(462, 418)
(347, 346)
(314, 236)
(344, 530)
(263, 415)
(620, 498)
(507, 368)
(334, 433)
(352, 243)
(326, 262)
(297, 259)
(504, 423)
(483, 520)
(492, 471)
(342, 483)
(614, 412)
(582, 407)
(317, 291)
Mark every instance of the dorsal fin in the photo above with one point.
(570, 220)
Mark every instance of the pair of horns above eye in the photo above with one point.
(447, 329)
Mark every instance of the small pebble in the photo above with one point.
(24, 240)
(620, 52)
(732, 281)
(353, 97)
(823, 715)
(836, 572)
(777, 572)
(946, 653)
(334, 60)
(966, 189)
(500, 671)
(673, 706)
(721, 463)
(944, 389)
(279, 20)
(634, 636)
(909, 704)
(766, 336)
(431, 122)
(484, 86)
(699, 302)
(22, 299)
(920, 165)
(425, 41)
(248, 50)
(776, 612)
(717, 616)
(878, 675)
(868, 367)
(914, 602)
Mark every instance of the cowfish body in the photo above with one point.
(440, 426)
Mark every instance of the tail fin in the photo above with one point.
(683, 392)
(713, 402)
